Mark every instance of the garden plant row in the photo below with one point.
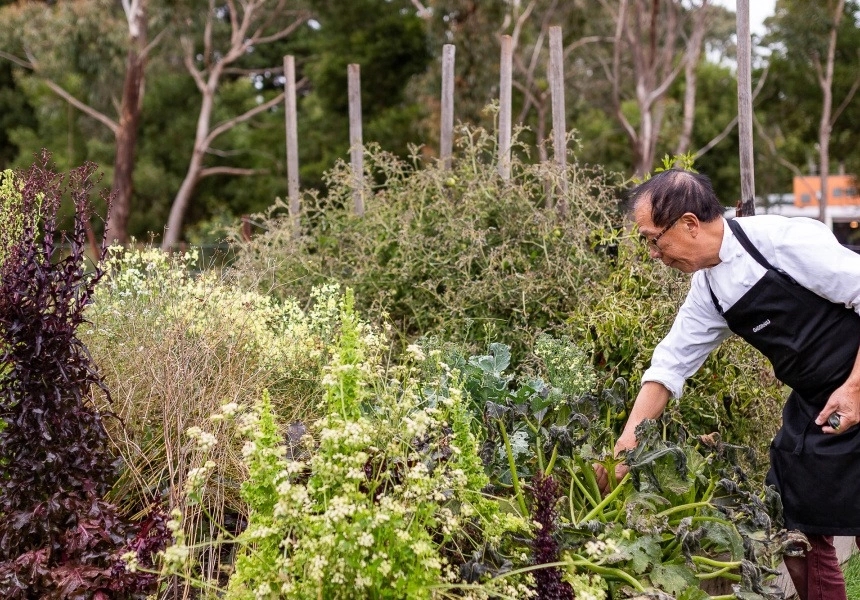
(423, 423)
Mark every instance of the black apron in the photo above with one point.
(812, 344)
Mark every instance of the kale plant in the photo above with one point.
(58, 538)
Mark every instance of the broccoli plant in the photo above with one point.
(59, 538)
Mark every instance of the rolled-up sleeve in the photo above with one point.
(697, 330)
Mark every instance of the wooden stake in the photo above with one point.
(506, 68)
(292, 141)
(746, 204)
(559, 131)
(446, 141)
(356, 149)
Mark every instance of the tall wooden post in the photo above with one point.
(559, 131)
(446, 140)
(505, 82)
(356, 149)
(292, 141)
(746, 204)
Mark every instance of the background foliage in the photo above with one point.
(81, 45)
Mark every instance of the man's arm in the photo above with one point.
(649, 404)
(845, 401)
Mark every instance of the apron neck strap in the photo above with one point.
(753, 251)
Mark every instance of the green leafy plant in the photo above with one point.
(460, 254)
(685, 514)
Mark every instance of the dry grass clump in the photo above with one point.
(175, 348)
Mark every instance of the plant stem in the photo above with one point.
(703, 560)
(725, 573)
(609, 498)
(513, 467)
(609, 572)
(585, 492)
(551, 462)
(682, 507)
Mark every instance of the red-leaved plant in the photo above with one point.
(59, 539)
(548, 581)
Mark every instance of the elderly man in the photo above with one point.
(787, 287)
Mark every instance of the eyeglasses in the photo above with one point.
(652, 243)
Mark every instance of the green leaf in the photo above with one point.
(693, 593)
(674, 579)
(723, 537)
(645, 551)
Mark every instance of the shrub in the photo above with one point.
(463, 255)
(59, 538)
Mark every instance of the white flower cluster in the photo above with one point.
(205, 440)
(280, 336)
(568, 366)
(176, 555)
(598, 549)
(587, 586)
(197, 478)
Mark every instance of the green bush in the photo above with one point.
(734, 393)
(460, 254)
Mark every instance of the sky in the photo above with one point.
(759, 11)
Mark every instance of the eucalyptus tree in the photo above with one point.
(230, 32)
(74, 49)
(815, 63)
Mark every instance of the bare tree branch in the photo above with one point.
(583, 41)
(155, 41)
(718, 138)
(423, 12)
(518, 26)
(207, 33)
(772, 147)
(209, 171)
(18, 61)
(84, 108)
(229, 124)
(847, 100)
(188, 59)
(300, 20)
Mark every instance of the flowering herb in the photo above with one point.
(385, 498)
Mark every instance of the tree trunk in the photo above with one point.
(192, 176)
(126, 145)
(182, 199)
(116, 229)
(825, 80)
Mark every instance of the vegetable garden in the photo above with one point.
(408, 404)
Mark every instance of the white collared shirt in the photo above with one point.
(803, 248)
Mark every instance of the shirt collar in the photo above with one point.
(728, 246)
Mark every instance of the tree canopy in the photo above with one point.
(640, 81)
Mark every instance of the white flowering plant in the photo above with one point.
(383, 497)
(179, 345)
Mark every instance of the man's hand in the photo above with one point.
(844, 402)
(603, 477)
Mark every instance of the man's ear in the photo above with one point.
(691, 223)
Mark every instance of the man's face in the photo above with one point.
(672, 244)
